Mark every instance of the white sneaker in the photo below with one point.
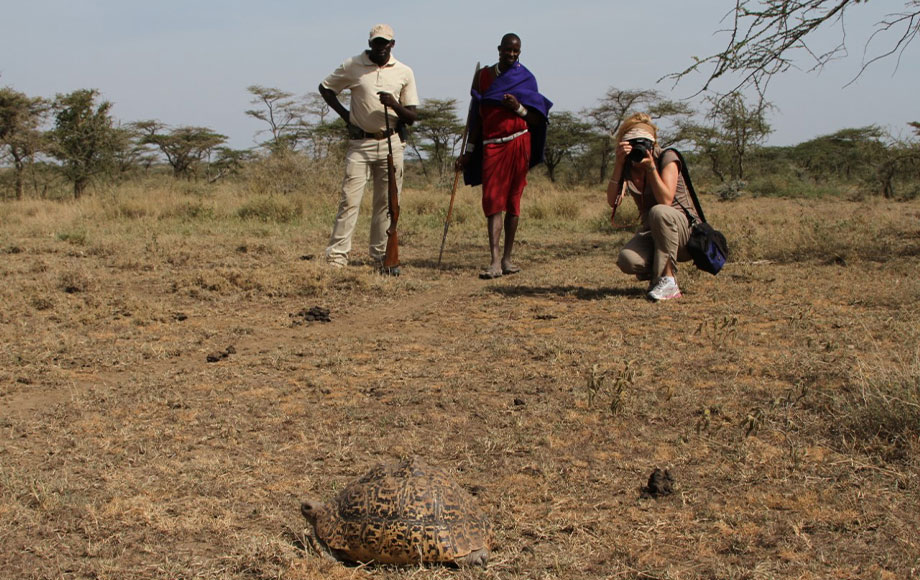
(665, 289)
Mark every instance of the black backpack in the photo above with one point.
(707, 246)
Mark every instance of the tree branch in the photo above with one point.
(767, 36)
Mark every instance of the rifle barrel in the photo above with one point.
(391, 258)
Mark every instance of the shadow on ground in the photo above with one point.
(576, 291)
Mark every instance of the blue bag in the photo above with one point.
(707, 246)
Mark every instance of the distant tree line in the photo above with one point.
(74, 137)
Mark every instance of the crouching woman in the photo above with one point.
(653, 179)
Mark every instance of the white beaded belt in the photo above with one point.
(505, 139)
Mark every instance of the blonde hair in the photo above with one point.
(631, 122)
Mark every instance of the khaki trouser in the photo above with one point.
(646, 254)
(366, 159)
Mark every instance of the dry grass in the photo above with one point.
(782, 395)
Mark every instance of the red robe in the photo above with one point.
(504, 165)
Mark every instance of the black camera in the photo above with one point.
(640, 148)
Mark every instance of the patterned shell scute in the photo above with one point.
(404, 513)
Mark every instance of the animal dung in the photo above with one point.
(221, 355)
(659, 483)
(314, 314)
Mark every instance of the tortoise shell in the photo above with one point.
(403, 513)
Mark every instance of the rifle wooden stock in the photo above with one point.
(391, 258)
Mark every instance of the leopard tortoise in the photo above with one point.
(401, 513)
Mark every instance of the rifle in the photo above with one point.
(391, 259)
(457, 173)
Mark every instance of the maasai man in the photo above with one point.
(507, 138)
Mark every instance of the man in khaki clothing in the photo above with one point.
(374, 79)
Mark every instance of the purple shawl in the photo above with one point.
(521, 83)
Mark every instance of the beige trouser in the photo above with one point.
(366, 159)
(646, 254)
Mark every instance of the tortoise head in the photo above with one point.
(311, 510)
(317, 516)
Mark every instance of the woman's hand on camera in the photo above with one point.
(649, 162)
(510, 102)
(622, 151)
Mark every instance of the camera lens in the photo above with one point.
(640, 148)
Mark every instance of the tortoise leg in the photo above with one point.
(310, 509)
(478, 557)
(319, 547)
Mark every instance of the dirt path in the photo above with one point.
(270, 327)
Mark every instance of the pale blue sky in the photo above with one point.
(189, 62)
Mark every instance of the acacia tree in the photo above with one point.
(903, 161)
(707, 144)
(227, 162)
(849, 153)
(566, 137)
(283, 114)
(739, 126)
(436, 133)
(766, 37)
(20, 137)
(183, 147)
(324, 133)
(131, 153)
(617, 104)
(84, 138)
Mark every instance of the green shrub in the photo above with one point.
(271, 209)
(566, 208)
(77, 236)
(190, 211)
(730, 190)
(538, 210)
(126, 209)
(790, 185)
(293, 173)
(428, 205)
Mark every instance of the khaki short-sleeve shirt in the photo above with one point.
(364, 79)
